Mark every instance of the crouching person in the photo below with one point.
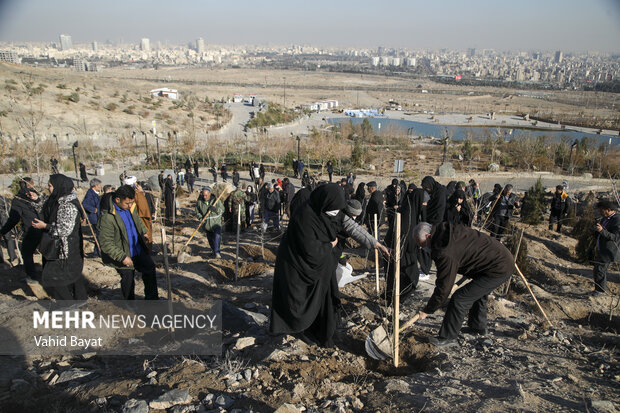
(123, 238)
(207, 203)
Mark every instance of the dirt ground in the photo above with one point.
(522, 365)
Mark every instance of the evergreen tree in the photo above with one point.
(534, 204)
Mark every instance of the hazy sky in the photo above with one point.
(570, 25)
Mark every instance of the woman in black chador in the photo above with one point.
(305, 291)
(458, 210)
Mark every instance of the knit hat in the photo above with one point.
(371, 184)
(354, 208)
(206, 188)
(269, 185)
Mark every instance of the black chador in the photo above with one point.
(412, 258)
(305, 292)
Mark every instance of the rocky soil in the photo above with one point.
(522, 365)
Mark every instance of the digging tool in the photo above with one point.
(379, 344)
(181, 255)
(493, 206)
(167, 270)
(92, 231)
(377, 256)
(527, 284)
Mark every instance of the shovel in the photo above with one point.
(182, 255)
(379, 343)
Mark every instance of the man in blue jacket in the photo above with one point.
(607, 239)
(91, 205)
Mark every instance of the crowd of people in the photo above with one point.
(437, 225)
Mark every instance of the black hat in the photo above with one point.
(412, 186)
(371, 184)
(394, 181)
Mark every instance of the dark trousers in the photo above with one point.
(472, 298)
(75, 291)
(10, 247)
(600, 276)
(145, 265)
(500, 222)
(29, 246)
(215, 237)
(553, 219)
(331, 174)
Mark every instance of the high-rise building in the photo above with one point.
(559, 56)
(65, 42)
(471, 52)
(145, 45)
(411, 61)
(200, 45)
(95, 47)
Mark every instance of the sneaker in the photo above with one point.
(424, 277)
(29, 280)
(443, 342)
(217, 255)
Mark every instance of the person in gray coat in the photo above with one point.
(607, 239)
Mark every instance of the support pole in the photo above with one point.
(516, 256)
(397, 291)
(167, 269)
(237, 249)
(377, 256)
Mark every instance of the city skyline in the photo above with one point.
(570, 25)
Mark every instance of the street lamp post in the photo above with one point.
(75, 145)
(298, 150)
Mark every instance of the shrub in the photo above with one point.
(111, 106)
(534, 205)
(512, 242)
(584, 231)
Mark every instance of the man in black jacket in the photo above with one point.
(560, 205)
(26, 206)
(374, 207)
(483, 259)
(436, 207)
(607, 239)
(330, 170)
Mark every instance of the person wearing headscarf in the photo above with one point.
(299, 200)
(62, 271)
(412, 258)
(374, 207)
(169, 198)
(436, 207)
(501, 211)
(458, 210)
(450, 188)
(26, 207)
(305, 292)
(250, 205)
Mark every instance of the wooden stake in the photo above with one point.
(516, 256)
(237, 250)
(397, 291)
(491, 210)
(377, 256)
(167, 269)
(533, 296)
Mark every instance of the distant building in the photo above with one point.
(65, 42)
(80, 65)
(165, 93)
(396, 61)
(411, 61)
(95, 47)
(471, 52)
(200, 45)
(145, 45)
(11, 57)
(375, 61)
(559, 56)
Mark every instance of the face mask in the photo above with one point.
(332, 213)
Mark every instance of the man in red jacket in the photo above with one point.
(457, 249)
